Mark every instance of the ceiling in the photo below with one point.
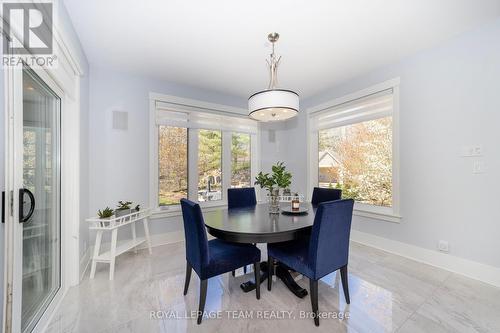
(221, 45)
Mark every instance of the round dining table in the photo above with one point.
(256, 225)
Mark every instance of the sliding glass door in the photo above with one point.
(34, 220)
(40, 199)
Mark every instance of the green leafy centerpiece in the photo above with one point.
(280, 179)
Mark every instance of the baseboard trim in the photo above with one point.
(85, 262)
(482, 272)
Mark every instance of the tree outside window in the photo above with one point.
(357, 158)
(240, 160)
(172, 165)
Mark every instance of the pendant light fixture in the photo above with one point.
(273, 104)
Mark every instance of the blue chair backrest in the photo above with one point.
(195, 235)
(325, 194)
(241, 197)
(329, 243)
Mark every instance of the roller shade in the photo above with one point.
(190, 117)
(370, 107)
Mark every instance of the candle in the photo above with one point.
(295, 203)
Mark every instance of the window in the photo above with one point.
(357, 159)
(198, 154)
(172, 177)
(240, 160)
(354, 148)
(209, 165)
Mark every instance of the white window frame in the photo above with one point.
(390, 214)
(179, 104)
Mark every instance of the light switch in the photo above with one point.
(472, 151)
(478, 167)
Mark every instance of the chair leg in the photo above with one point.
(313, 285)
(245, 269)
(188, 277)
(203, 298)
(269, 272)
(256, 270)
(345, 284)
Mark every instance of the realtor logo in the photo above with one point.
(28, 25)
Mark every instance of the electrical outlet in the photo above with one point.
(443, 246)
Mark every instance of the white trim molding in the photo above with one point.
(85, 261)
(64, 79)
(171, 110)
(390, 214)
(474, 270)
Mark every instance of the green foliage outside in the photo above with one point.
(173, 162)
(363, 154)
(240, 160)
(209, 156)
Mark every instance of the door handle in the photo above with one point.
(23, 218)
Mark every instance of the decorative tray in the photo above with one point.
(289, 211)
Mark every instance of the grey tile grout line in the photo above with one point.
(424, 301)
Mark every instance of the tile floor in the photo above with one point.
(389, 293)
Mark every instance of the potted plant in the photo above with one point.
(123, 208)
(106, 213)
(282, 178)
(279, 179)
(266, 181)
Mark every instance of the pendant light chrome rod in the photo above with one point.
(273, 62)
(273, 104)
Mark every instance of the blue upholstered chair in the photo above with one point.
(326, 251)
(241, 197)
(325, 194)
(212, 258)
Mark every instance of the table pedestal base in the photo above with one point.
(282, 272)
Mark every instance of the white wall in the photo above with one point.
(449, 97)
(84, 160)
(72, 40)
(119, 159)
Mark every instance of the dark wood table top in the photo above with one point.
(256, 225)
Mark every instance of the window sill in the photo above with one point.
(176, 211)
(382, 216)
(366, 211)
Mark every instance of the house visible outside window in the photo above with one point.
(355, 150)
(357, 159)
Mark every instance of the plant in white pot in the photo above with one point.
(106, 213)
(123, 208)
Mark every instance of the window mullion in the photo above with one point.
(226, 163)
(193, 164)
(254, 159)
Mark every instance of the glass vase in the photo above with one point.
(274, 201)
